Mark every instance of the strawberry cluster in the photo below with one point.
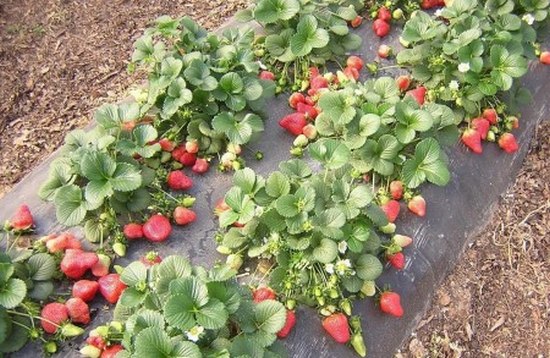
(489, 126)
(263, 293)
(381, 25)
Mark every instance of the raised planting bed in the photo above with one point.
(455, 213)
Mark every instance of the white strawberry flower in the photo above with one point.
(464, 67)
(342, 247)
(438, 12)
(342, 266)
(528, 18)
(194, 333)
(329, 268)
(453, 85)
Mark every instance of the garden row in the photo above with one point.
(319, 230)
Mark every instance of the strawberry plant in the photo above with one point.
(383, 134)
(316, 235)
(470, 54)
(26, 279)
(299, 34)
(202, 88)
(174, 309)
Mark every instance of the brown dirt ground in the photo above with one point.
(59, 59)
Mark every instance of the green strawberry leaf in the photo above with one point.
(277, 185)
(368, 267)
(331, 152)
(308, 36)
(12, 293)
(270, 11)
(269, 316)
(41, 266)
(134, 273)
(71, 208)
(326, 252)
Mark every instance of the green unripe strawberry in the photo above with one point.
(50, 347)
(397, 14)
(358, 344)
(388, 229)
(70, 330)
(90, 351)
(119, 248)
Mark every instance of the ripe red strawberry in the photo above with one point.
(491, 115)
(390, 303)
(96, 341)
(401, 240)
(396, 189)
(151, 258)
(417, 205)
(309, 100)
(355, 62)
(201, 166)
(419, 94)
(337, 326)
(481, 125)
(62, 242)
(157, 228)
(263, 293)
(514, 122)
(78, 310)
(508, 143)
(54, 314)
(296, 98)
(355, 23)
(220, 207)
(187, 159)
(384, 51)
(391, 209)
(101, 268)
(429, 4)
(545, 58)
(177, 180)
(318, 82)
(397, 260)
(294, 123)
(167, 145)
(76, 262)
(472, 139)
(313, 72)
(112, 351)
(111, 287)
(178, 152)
(403, 82)
(289, 324)
(133, 231)
(384, 14)
(22, 219)
(380, 27)
(184, 216)
(192, 146)
(310, 131)
(85, 290)
(351, 73)
(267, 75)
(309, 110)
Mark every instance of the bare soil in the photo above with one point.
(59, 59)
